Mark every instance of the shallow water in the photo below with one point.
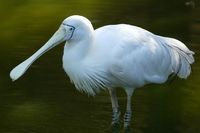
(44, 101)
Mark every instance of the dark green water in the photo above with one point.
(44, 101)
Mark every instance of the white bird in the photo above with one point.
(113, 56)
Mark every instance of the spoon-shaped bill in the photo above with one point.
(58, 37)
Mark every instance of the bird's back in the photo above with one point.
(137, 57)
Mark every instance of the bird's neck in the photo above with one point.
(76, 52)
(75, 59)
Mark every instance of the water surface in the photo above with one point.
(44, 101)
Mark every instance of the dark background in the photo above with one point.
(44, 101)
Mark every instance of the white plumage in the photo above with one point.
(124, 55)
(114, 56)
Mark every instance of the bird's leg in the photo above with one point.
(115, 107)
(128, 114)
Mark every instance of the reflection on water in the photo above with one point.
(44, 101)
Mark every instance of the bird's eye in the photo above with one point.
(70, 28)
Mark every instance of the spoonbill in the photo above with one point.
(113, 56)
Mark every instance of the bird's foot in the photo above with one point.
(127, 129)
(116, 121)
(127, 120)
(115, 128)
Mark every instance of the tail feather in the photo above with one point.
(181, 57)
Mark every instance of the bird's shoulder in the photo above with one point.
(123, 42)
(122, 35)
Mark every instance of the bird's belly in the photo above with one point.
(138, 72)
(137, 78)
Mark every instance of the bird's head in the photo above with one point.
(74, 28)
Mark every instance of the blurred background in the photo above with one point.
(44, 101)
